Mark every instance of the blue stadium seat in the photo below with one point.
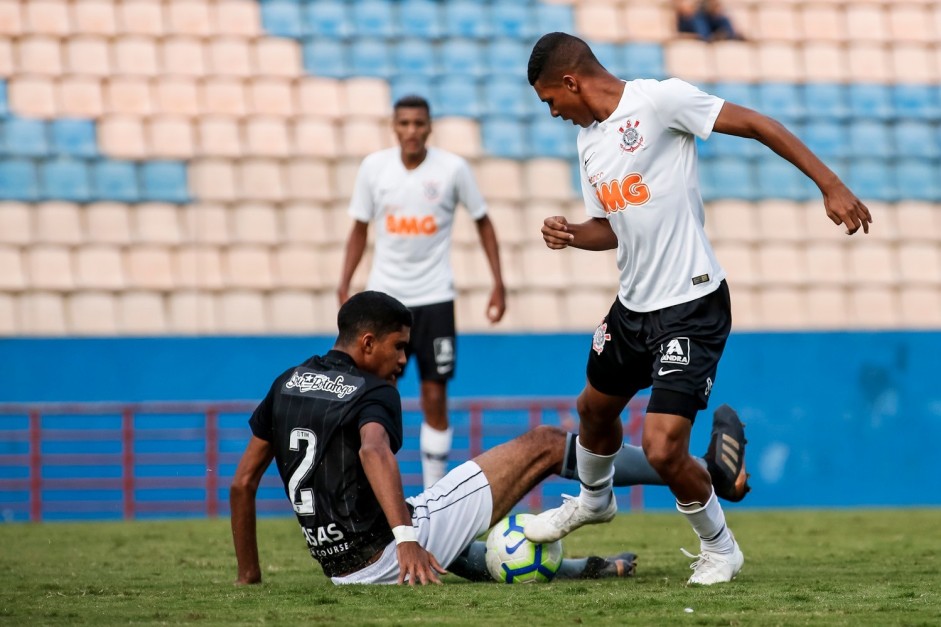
(462, 56)
(415, 56)
(24, 137)
(722, 145)
(326, 57)
(780, 100)
(511, 19)
(611, 57)
(917, 179)
(777, 178)
(115, 180)
(420, 18)
(457, 95)
(371, 57)
(825, 100)
(327, 18)
(504, 95)
(413, 86)
(552, 138)
(507, 56)
(870, 101)
(871, 179)
(826, 138)
(705, 149)
(75, 138)
(870, 138)
(504, 138)
(464, 18)
(643, 61)
(914, 138)
(552, 18)
(65, 179)
(4, 109)
(916, 101)
(374, 19)
(727, 177)
(738, 93)
(282, 18)
(18, 180)
(164, 181)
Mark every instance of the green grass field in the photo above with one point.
(802, 568)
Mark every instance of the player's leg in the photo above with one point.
(433, 343)
(472, 565)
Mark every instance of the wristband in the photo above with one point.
(404, 533)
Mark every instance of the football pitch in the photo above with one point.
(852, 567)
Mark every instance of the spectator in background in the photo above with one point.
(704, 19)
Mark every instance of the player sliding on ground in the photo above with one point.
(333, 425)
(669, 323)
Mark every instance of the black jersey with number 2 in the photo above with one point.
(312, 416)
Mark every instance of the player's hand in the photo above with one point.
(343, 294)
(843, 207)
(496, 307)
(555, 232)
(417, 565)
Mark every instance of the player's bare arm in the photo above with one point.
(843, 207)
(593, 234)
(496, 306)
(252, 466)
(382, 471)
(355, 246)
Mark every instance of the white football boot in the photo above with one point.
(554, 524)
(710, 568)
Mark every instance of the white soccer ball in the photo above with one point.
(511, 558)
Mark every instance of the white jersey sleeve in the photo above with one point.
(683, 107)
(468, 194)
(362, 203)
(593, 206)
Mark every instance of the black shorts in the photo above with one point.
(675, 348)
(432, 341)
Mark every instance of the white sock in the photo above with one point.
(708, 522)
(435, 446)
(595, 473)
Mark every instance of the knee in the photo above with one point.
(591, 413)
(664, 453)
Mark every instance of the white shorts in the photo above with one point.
(449, 516)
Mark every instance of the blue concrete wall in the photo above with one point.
(834, 419)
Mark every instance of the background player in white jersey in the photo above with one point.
(411, 194)
(669, 324)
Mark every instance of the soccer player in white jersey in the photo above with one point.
(669, 323)
(411, 194)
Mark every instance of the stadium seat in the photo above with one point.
(826, 138)
(873, 308)
(727, 177)
(920, 307)
(373, 19)
(192, 312)
(780, 100)
(326, 57)
(74, 138)
(870, 138)
(88, 55)
(18, 180)
(643, 61)
(242, 312)
(277, 58)
(722, 145)
(742, 94)
(415, 86)
(238, 19)
(183, 56)
(141, 313)
(57, 223)
(420, 18)
(738, 259)
(15, 223)
(108, 223)
(92, 313)
(731, 221)
(825, 100)
(176, 95)
(282, 18)
(319, 97)
(552, 18)
(823, 22)
(504, 95)
(157, 223)
(917, 221)
(312, 180)
(24, 137)
(916, 101)
(735, 62)
(135, 56)
(779, 179)
(611, 56)
(41, 313)
(824, 62)
(314, 137)
(65, 179)
(12, 275)
(415, 57)
(4, 108)
(504, 138)
(506, 56)
(95, 17)
(295, 267)
(293, 312)
(49, 268)
(916, 139)
(871, 180)
(511, 19)
(500, 179)
(866, 22)
(99, 268)
(114, 180)
(170, 138)
(457, 95)
(870, 101)
(150, 268)
(164, 181)
(689, 59)
(371, 57)
(917, 179)
(266, 137)
(38, 54)
(229, 57)
(781, 307)
(464, 18)
(122, 137)
(599, 22)
(327, 18)
(552, 138)
(462, 56)
(920, 264)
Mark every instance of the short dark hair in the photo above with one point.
(558, 53)
(412, 101)
(371, 311)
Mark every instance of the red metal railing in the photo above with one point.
(169, 484)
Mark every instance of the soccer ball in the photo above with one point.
(511, 558)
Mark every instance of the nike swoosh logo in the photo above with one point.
(512, 549)
(588, 158)
(662, 372)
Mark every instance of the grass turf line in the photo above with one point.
(851, 567)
